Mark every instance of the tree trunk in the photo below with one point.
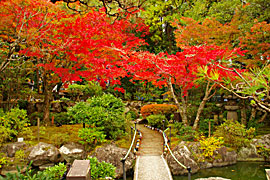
(200, 109)
(243, 113)
(182, 110)
(263, 117)
(202, 104)
(253, 114)
(47, 100)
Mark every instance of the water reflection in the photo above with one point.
(240, 171)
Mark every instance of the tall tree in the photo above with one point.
(65, 47)
(177, 71)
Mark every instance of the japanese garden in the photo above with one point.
(135, 89)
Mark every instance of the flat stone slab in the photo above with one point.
(267, 174)
(151, 167)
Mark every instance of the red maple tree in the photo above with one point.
(64, 47)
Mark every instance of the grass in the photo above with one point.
(69, 133)
(57, 135)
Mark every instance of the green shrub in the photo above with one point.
(34, 116)
(263, 151)
(61, 118)
(104, 111)
(204, 126)
(55, 172)
(5, 134)
(91, 136)
(255, 124)
(88, 90)
(22, 104)
(20, 155)
(51, 173)
(186, 133)
(235, 135)
(101, 170)
(3, 160)
(13, 124)
(132, 114)
(156, 120)
(28, 175)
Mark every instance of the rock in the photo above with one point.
(267, 173)
(113, 154)
(183, 155)
(43, 167)
(263, 140)
(44, 153)
(222, 157)
(72, 151)
(136, 104)
(213, 178)
(10, 149)
(249, 154)
(226, 157)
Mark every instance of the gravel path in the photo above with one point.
(150, 164)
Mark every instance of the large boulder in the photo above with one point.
(225, 157)
(43, 154)
(184, 156)
(10, 149)
(72, 151)
(189, 154)
(250, 152)
(263, 140)
(113, 154)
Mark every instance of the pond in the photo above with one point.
(239, 171)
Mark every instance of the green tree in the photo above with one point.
(106, 112)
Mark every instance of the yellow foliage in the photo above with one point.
(209, 145)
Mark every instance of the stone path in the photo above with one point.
(150, 164)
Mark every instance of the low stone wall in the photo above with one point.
(45, 155)
(188, 152)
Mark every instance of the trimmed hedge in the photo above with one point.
(165, 109)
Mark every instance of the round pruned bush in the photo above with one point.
(165, 109)
(105, 112)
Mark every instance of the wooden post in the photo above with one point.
(52, 120)
(38, 124)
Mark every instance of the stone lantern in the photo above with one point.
(232, 107)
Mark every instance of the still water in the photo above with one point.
(240, 171)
